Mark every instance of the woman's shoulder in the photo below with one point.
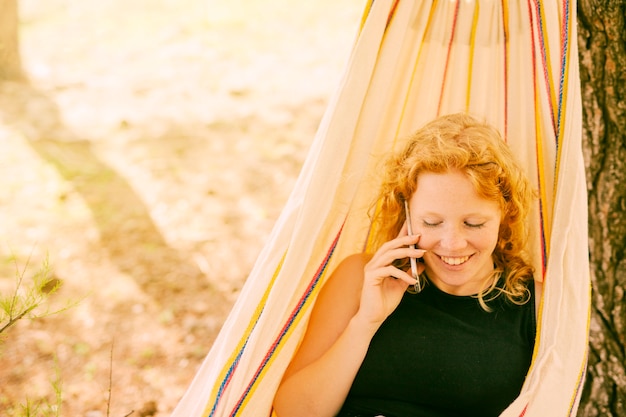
(351, 266)
(344, 285)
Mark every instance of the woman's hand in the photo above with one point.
(384, 284)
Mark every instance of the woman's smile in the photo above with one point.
(454, 260)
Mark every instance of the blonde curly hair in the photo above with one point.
(461, 142)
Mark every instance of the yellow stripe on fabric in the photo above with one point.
(294, 325)
(472, 49)
(545, 218)
(215, 393)
(368, 8)
(366, 13)
(538, 321)
(583, 366)
(417, 60)
(505, 28)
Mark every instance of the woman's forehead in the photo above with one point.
(451, 191)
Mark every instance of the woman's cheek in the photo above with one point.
(427, 239)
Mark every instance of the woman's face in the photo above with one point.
(458, 229)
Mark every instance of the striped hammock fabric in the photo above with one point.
(512, 63)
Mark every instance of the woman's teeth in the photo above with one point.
(454, 261)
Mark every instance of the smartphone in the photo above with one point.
(418, 286)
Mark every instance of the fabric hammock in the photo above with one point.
(515, 65)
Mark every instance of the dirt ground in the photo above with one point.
(147, 159)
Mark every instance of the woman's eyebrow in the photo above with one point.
(472, 214)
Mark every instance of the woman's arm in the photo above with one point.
(320, 375)
(352, 305)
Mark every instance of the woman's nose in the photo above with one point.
(453, 239)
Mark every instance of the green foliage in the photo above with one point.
(42, 407)
(24, 301)
(27, 302)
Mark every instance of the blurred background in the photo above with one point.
(146, 158)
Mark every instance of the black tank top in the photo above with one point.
(440, 355)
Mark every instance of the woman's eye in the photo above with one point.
(430, 224)
(474, 225)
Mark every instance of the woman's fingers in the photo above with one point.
(401, 242)
(386, 271)
(388, 255)
(401, 275)
(380, 267)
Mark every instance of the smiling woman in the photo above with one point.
(364, 326)
(462, 182)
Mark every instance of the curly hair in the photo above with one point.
(461, 142)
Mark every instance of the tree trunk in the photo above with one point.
(10, 62)
(602, 44)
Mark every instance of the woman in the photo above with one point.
(462, 345)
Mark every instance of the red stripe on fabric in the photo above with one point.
(445, 69)
(524, 411)
(392, 12)
(288, 324)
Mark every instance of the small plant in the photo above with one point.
(24, 301)
(43, 408)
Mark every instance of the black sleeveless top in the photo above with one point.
(440, 355)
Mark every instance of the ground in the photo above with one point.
(146, 160)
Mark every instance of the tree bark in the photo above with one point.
(602, 45)
(10, 61)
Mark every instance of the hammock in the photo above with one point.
(514, 64)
